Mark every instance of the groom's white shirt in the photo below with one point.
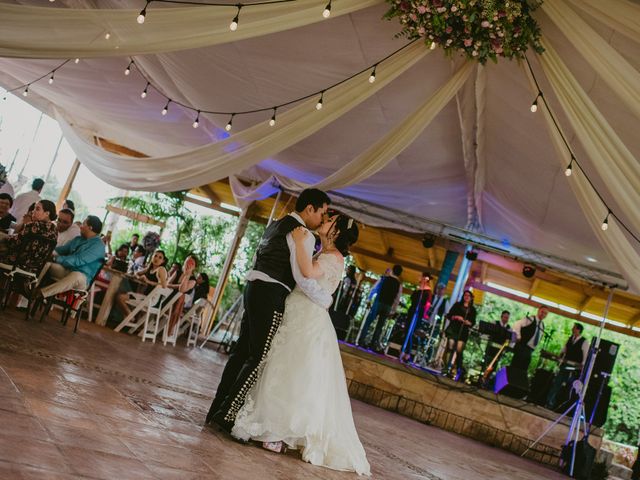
(309, 286)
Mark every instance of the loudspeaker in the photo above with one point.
(540, 386)
(512, 382)
(605, 357)
(584, 459)
(602, 408)
(341, 322)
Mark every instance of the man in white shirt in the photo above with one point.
(529, 331)
(67, 230)
(23, 201)
(274, 275)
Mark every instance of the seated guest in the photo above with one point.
(67, 230)
(134, 241)
(136, 264)
(152, 275)
(77, 262)
(35, 241)
(22, 202)
(6, 219)
(462, 317)
(121, 255)
(202, 287)
(5, 186)
(186, 285)
(175, 272)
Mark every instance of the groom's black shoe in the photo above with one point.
(218, 420)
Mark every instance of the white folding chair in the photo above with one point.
(157, 317)
(143, 304)
(195, 317)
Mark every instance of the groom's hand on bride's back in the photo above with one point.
(299, 233)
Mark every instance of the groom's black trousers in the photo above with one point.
(263, 309)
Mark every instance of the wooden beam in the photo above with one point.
(534, 286)
(635, 320)
(585, 302)
(66, 189)
(212, 206)
(392, 260)
(139, 217)
(213, 196)
(112, 147)
(562, 313)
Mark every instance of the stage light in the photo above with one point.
(372, 77)
(528, 271)
(471, 255)
(230, 123)
(428, 240)
(196, 122)
(326, 13)
(319, 104)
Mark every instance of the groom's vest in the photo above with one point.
(273, 257)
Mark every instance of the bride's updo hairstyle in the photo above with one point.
(347, 235)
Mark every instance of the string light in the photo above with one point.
(165, 110)
(143, 13)
(77, 60)
(605, 223)
(196, 122)
(107, 36)
(319, 104)
(230, 123)
(568, 170)
(326, 13)
(433, 46)
(234, 23)
(372, 77)
(534, 105)
(144, 92)
(127, 70)
(51, 78)
(25, 93)
(272, 122)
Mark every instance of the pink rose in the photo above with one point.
(442, 9)
(421, 31)
(485, 24)
(454, 8)
(422, 9)
(468, 42)
(449, 29)
(413, 17)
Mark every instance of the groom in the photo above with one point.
(274, 275)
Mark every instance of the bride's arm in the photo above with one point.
(308, 267)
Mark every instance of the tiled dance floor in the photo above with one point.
(104, 405)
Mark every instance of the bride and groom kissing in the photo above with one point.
(284, 383)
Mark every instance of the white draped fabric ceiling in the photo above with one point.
(436, 138)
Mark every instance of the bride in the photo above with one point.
(301, 399)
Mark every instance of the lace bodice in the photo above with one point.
(333, 269)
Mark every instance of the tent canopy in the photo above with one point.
(480, 163)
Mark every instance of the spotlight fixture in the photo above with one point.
(428, 240)
(471, 255)
(528, 270)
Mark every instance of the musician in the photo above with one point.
(462, 317)
(420, 299)
(572, 360)
(493, 346)
(529, 331)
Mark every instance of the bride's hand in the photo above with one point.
(298, 234)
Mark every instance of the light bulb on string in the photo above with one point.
(107, 36)
(272, 122)
(605, 223)
(234, 23)
(230, 123)
(165, 110)
(326, 13)
(127, 70)
(51, 78)
(143, 13)
(196, 122)
(372, 77)
(568, 171)
(144, 92)
(534, 105)
(25, 93)
(320, 101)
(77, 61)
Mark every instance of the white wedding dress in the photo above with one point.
(301, 395)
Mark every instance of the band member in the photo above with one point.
(462, 317)
(572, 360)
(529, 332)
(493, 346)
(420, 299)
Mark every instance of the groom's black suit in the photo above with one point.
(263, 310)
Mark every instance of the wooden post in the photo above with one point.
(64, 193)
(228, 263)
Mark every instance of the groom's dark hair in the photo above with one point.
(312, 196)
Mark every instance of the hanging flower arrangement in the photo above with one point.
(481, 29)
